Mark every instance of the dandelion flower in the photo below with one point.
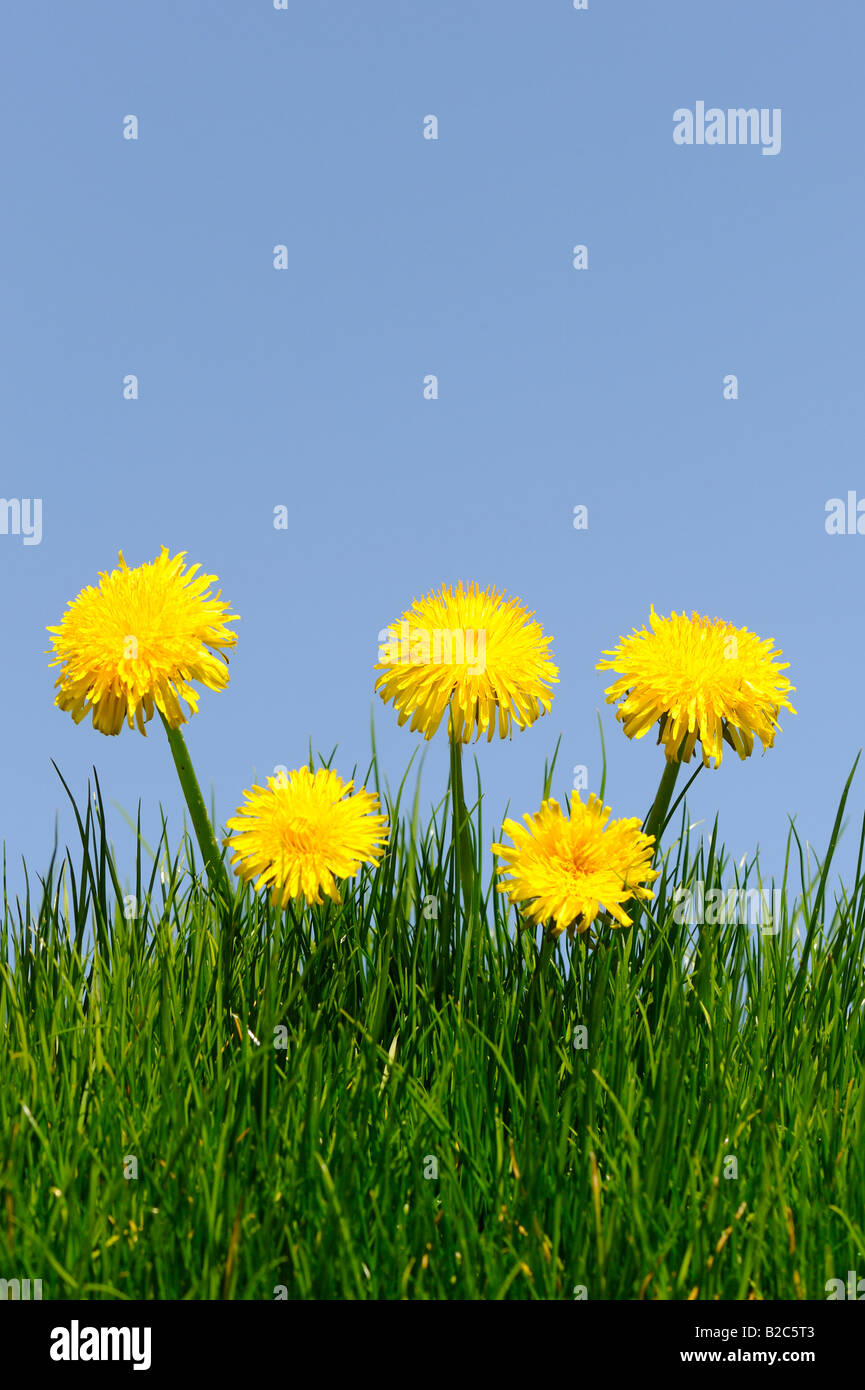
(473, 650)
(565, 869)
(702, 679)
(300, 833)
(133, 643)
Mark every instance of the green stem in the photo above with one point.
(462, 837)
(198, 812)
(548, 946)
(654, 822)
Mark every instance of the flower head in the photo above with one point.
(135, 642)
(565, 868)
(473, 650)
(303, 831)
(704, 680)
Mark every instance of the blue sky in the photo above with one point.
(407, 256)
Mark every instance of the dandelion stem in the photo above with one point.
(654, 822)
(548, 946)
(198, 812)
(462, 836)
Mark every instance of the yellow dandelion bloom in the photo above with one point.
(134, 643)
(702, 679)
(565, 869)
(300, 833)
(473, 650)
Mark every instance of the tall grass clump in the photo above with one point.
(389, 1097)
(364, 1065)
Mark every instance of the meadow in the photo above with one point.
(338, 1053)
(408, 1096)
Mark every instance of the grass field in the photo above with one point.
(385, 1099)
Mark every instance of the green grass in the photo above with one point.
(412, 1035)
